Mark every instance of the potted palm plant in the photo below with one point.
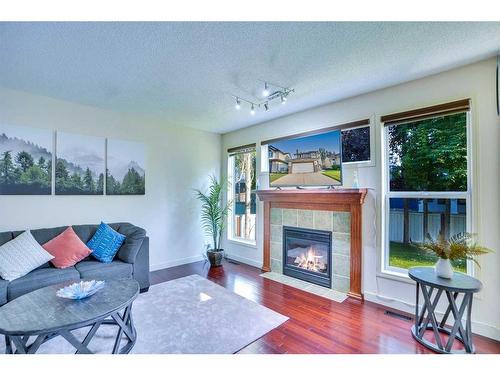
(213, 218)
(459, 246)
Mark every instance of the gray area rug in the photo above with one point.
(186, 315)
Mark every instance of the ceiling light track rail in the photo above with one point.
(279, 92)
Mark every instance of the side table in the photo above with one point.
(432, 288)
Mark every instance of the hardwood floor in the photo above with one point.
(316, 324)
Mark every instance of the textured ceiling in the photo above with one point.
(185, 73)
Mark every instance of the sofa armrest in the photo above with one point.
(133, 242)
(141, 266)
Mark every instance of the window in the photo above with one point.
(356, 145)
(411, 220)
(427, 185)
(242, 184)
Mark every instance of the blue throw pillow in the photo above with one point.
(105, 243)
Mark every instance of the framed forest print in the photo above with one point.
(126, 168)
(79, 164)
(25, 160)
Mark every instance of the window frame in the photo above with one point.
(401, 273)
(230, 198)
(371, 161)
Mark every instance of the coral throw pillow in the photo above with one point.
(67, 249)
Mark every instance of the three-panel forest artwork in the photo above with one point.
(83, 165)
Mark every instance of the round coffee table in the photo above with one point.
(426, 319)
(44, 315)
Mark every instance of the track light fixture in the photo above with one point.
(265, 92)
(278, 92)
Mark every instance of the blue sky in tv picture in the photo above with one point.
(329, 141)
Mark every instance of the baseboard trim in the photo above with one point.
(479, 328)
(241, 259)
(177, 262)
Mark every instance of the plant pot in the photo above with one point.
(215, 257)
(444, 269)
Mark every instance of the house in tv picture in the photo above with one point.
(301, 161)
(278, 160)
(306, 162)
(305, 165)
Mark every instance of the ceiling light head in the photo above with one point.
(252, 110)
(283, 99)
(265, 92)
(238, 103)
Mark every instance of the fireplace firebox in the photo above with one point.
(307, 255)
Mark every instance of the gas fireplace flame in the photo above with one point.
(311, 260)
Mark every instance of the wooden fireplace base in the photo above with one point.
(347, 200)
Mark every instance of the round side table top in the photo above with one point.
(42, 311)
(459, 283)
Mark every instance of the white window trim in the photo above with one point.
(230, 198)
(364, 163)
(264, 158)
(243, 242)
(396, 272)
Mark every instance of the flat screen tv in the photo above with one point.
(309, 160)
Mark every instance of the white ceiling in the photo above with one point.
(185, 73)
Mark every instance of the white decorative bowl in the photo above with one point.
(80, 290)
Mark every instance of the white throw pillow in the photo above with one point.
(21, 256)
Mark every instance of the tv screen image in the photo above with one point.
(313, 160)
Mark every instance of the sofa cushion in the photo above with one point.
(93, 269)
(46, 234)
(41, 278)
(134, 236)
(85, 232)
(3, 291)
(105, 243)
(67, 249)
(5, 237)
(21, 255)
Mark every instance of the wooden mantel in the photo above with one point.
(347, 200)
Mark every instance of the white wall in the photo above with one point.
(177, 161)
(476, 81)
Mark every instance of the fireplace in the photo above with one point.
(307, 255)
(339, 201)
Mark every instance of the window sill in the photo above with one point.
(395, 276)
(251, 244)
(359, 164)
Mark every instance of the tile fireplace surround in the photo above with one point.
(335, 210)
(339, 223)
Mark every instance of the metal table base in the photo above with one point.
(19, 344)
(426, 320)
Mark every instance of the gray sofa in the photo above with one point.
(131, 261)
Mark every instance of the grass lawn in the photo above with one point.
(332, 173)
(406, 256)
(274, 176)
